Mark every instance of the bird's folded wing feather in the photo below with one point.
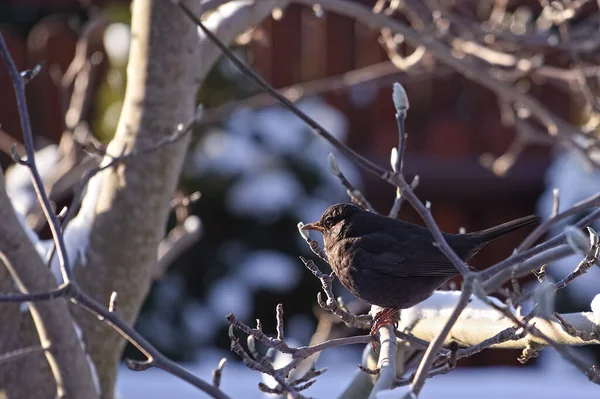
(391, 257)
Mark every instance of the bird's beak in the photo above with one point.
(313, 226)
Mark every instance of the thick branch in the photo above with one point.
(52, 319)
(167, 62)
(472, 331)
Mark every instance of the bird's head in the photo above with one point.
(333, 216)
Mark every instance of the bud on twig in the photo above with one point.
(394, 158)
(400, 98)
(333, 165)
(303, 233)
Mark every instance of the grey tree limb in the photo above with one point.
(168, 61)
(52, 322)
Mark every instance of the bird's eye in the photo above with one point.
(329, 222)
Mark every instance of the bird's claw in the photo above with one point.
(385, 316)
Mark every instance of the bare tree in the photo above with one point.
(105, 246)
(111, 242)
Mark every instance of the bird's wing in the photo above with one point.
(386, 254)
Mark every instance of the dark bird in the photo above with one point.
(392, 263)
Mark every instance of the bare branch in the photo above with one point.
(264, 365)
(218, 371)
(432, 349)
(18, 353)
(357, 197)
(320, 130)
(590, 258)
(19, 87)
(332, 304)
(387, 360)
(378, 75)
(593, 201)
(314, 245)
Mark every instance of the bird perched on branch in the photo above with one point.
(391, 263)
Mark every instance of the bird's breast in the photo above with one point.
(342, 256)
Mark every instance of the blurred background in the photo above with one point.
(260, 170)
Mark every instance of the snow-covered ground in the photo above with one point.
(554, 378)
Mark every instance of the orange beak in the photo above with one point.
(313, 226)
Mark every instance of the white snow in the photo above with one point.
(552, 379)
(595, 305)
(272, 270)
(17, 179)
(442, 303)
(265, 196)
(279, 130)
(228, 154)
(77, 232)
(281, 360)
(200, 321)
(397, 393)
(230, 295)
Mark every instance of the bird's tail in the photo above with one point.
(505, 228)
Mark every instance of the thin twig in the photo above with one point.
(69, 289)
(314, 245)
(593, 201)
(332, 304)
(590, 258)
(576, 359)
(433, 348)
(218, 372)
(375, 76)
(400, 198)
(264, 365)
(23, 352)
(357, 197)
(38, 184)
(320, 130)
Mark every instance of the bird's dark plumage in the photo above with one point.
(392, 263)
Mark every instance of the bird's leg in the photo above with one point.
(385, 316)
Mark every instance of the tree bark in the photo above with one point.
(167, 62)
(133, 205)
(30, 376)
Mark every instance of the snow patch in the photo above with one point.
(265, 196)
(200, 321)
(227, 154)
(280, 130)
(489, 382)
(77, 232)
(270, 270)
(442, 303)
(17, 180)
(231, 295)
(281, 360)
(595, 305)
